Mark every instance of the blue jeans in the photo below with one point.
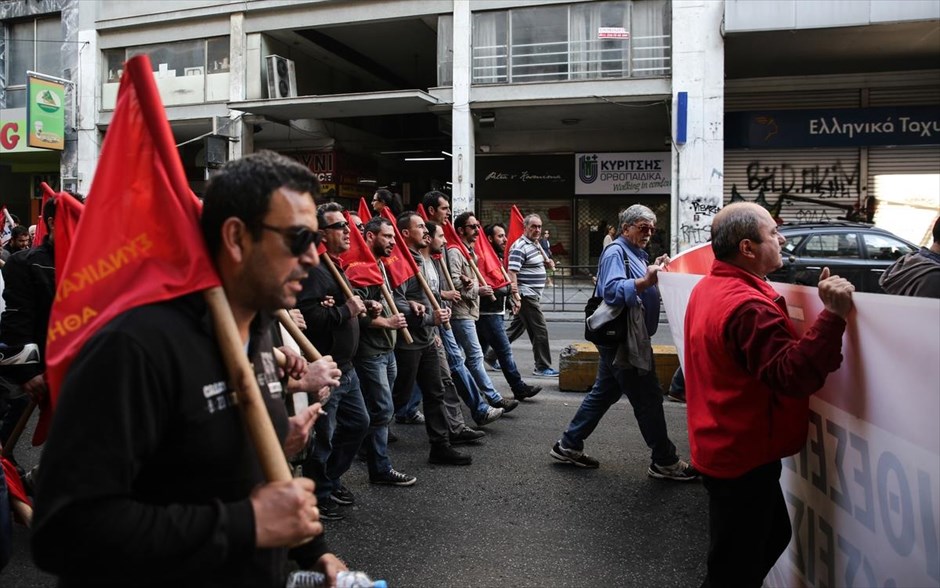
(377, 376)
(466, 387)
(337, 435)
(411, 407)
(643, 392)
(465, 332)
(492, 334)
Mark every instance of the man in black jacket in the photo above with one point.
(333, 323)
(148, 477)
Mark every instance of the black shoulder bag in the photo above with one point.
(614, 331)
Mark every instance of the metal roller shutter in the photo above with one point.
(904, 96)
(824, 184)
(792, 100)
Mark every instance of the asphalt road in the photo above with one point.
(516, 517)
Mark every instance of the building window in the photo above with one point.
(591, 40)
(32, 45)
(186, 72)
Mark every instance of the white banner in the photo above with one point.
(864, 493)
(623, 173)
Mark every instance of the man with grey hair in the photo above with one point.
(748, 380)
(527, 274)
(626, 280)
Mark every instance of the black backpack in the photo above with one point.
(613, 332)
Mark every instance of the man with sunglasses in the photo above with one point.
(333, 327)
(627, 280)
(148, 455)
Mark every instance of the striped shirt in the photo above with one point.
(525, 258)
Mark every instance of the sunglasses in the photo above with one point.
(337, 226)
(297, 239)
(645, 228)
(473, 227)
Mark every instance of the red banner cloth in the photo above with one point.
(422, 212)
(138, 240)
(68, 213)
(365, 213)
(400, 265)
(14, 483)
(697, 260)
(359, 263)
(47, 193)
(516, 229)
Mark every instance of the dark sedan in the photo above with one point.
(856, 251)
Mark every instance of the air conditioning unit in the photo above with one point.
(282, 81)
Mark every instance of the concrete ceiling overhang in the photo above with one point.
(337, 106)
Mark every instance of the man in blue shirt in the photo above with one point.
(626, 280)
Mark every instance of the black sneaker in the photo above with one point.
(507, 404)
(342, 496)
(329, 510)
(467, 435)
(447, 455)
(526, 391)
(578, 458)
(416, 419)
(680, 471)
(676, 396)
(393, 478)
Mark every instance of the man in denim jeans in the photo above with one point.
(333, 326)
(626, 279)
(375, 361)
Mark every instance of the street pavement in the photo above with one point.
(516, 517)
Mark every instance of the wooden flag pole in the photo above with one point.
(394, 310)
(476, 270)
(347, 292)
(18, 430)
(515, 295)
(430, 294)
(306, 347)
(242, 377)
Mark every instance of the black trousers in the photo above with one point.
(748, 527)
(422, 366)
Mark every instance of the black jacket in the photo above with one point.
(29, 288)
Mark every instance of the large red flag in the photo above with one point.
(68, 213)
(138, 240)
(365, 213)
(489, 263)
(47, 193)
(516, 230)
(359, 263)
(422, 212)
(400, 265)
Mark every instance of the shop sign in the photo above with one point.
(833, 127)
(321, 163)
(45, 113)
(623, 173)
(13, 131)
(523, 176)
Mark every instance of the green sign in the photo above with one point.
(45, 114)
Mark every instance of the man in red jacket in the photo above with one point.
(748, 381)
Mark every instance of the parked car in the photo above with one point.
(856, 251)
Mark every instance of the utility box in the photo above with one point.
(578, 366)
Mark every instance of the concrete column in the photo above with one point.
(86, 115)
(462, 140)
(238, 88)
(698, 165)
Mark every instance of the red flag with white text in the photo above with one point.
(359, 262)
(138, 240)
(400, 265)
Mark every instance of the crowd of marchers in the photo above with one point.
(148, 457)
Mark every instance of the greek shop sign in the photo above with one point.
(623, 173)
(833, 127)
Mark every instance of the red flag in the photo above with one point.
(67, 214)
(422, 212)
(516, 230)
(14, 483)
(400, 265)
(365, 213)
(359, 263)
(453, 240)
(488, 263)
(138, 240)
(47, 193)
(697, 260)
